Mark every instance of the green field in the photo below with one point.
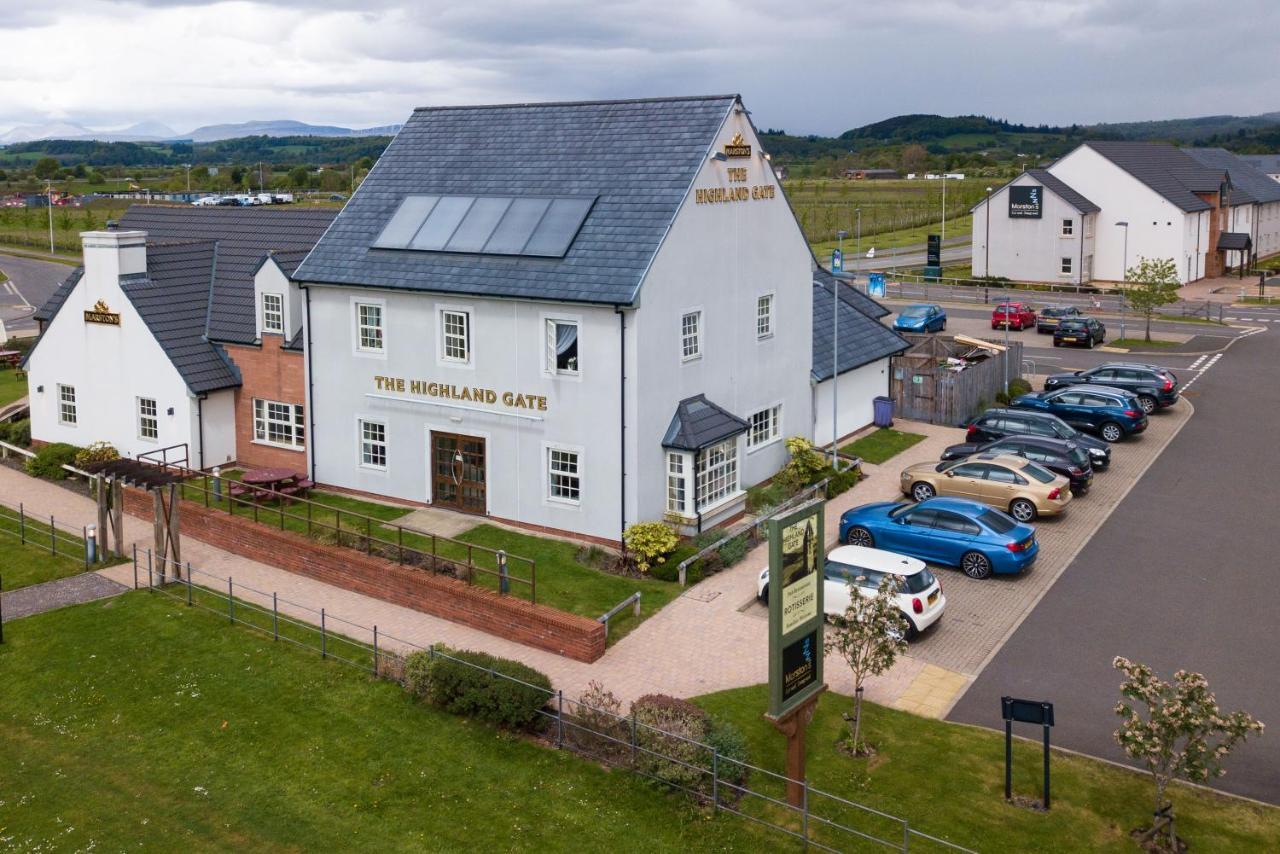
(1139, 344)
(24, 565)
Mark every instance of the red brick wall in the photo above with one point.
(570, 635)
(269, 373)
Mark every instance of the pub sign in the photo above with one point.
(1026, 202)
(795, 607)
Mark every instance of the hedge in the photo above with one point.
(49, 461)
(464, 689)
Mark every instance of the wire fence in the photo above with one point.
(823, 821)
(45, 533)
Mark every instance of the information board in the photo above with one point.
(796, 557)
(1026, 202)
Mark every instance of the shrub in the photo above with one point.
(762, 497)
(49, 461)
(649, 543)
(669, 731)
(731, 744)
(602, 726)
(417, 674)
(806, 463)
(97, 452)
(734, 550)
(465, 687)
(1018, 386)
(17, 432)
(841, 482)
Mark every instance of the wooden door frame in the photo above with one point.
(482, 436)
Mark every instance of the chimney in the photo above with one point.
(111, 254)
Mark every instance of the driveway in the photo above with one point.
(31, 282)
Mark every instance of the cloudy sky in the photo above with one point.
(809, 66)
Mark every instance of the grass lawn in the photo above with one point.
(11, 388)
(913, 238)
(24, 565)
(1269, 300)
(882, 445)
(1139, 344)
(1178, 318)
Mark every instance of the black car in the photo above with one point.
(999, 423)
(1052, 315)
(1080, 332)
(1154, 387)
(1059, 456)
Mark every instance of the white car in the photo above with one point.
(205, 201)
(919, 592)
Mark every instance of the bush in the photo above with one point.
(603, 730)
(417, 674)
(763, 497)
(669, 731)
(649, 543)
(97, 452)
(49, 461)
(734, 550)
(17, 432)
(465, 687)
(805, 467)
(841, 482)
(731, 744)
(1018, 386)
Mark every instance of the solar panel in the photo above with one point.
(442, 222)
(478, 226)
(491, 225)
(513, 232)
(558, 227)
(406, 221)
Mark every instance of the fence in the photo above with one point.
(16, 522)
(824, 821)
(6, 449)
(924, 388)
(633, 601)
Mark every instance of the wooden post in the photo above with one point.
(160, 549)
(101, 492)
(793, 725)
(117, 514)
(167, 529)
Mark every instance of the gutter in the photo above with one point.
(200, 425)
(310, 400)
(697, 508)
(622, 425)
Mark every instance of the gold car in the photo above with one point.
(1016, 485)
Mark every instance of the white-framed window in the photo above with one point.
(373, 444)
(272, 313)
(1068, 227)
(764, 315)
(564, 475)
(562, 346)
(148, 419)
(1065, 269)
(369, 327)
(766, 426)
(717, 472)
(455, 335)
(276, 423)
(691, 335)
(67, 405)
(676, 488)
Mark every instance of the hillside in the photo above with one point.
(270, 150)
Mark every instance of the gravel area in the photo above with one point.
(39, 598)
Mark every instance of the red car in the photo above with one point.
(1017, 315)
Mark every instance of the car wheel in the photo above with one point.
(1089, 345)
(1023, 510)
(860, 536)
(912, 631)
(1148, 403)
(975, 565)
(1112, 432)
(1057, 343)
(922, 491)
(764, 597)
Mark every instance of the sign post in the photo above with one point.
(875, 285)
(933, 258)
(837, 261)
(796, 546)
(1031, 712)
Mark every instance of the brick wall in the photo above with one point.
(570, 635)
(268, 372)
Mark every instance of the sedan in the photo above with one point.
(917, 591)
(921, 318)
(1154, 387)
(1085, 331)
(1057, 455)
(1111, 413)
(950, 531)
(1015, 484)
(998, 423)
(1051, 315)
(1015, 315)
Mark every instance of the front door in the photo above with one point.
(457, 472)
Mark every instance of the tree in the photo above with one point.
(1177, 731)
(869, 638)
(298, 177)
(46, 167)
(913, 158)
(1153, 283)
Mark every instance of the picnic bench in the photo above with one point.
(271, 484)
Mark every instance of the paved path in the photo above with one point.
(74, 590)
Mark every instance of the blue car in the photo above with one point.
(921, 318)
(1111, 413)
(956, 532)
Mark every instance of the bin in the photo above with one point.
(883, 408)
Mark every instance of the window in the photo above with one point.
(148, 420)
(278, 423)
(272, 313)
(369, 326)
(562, 346)
(455, 335)
(766, 425)
(373, 444)
(973, 470)
(675, 482)
(1068, 227)
(1066, 266)
(764, 316)
(997, 521)
(955, 523)
(717, 472)
(921, 518)
(67, 404)
(691, 335)
(1000, 474)
(564, 479)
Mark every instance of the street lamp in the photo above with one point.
(835, 353)
(986, 263)
(857, 246)
(1124, 272)
(48, 187)
(943, 236)
(187, 166)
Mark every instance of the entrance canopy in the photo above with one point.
(1235, 240)
(699, 423)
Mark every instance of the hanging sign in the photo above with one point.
(795, 608)
(837, 261)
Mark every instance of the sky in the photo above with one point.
(806, 67)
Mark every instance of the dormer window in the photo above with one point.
(273, 313)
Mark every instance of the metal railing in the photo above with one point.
(633, 599)
(6, 449)
(48, 535)
(824, 820)
(160, 457)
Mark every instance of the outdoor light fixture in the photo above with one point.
(40, 389)
(719, 155)
(765, 155)
(170, 410)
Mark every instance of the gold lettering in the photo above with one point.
(490, 396)
(507, 399)
(399, 384)
(542, 404)
(737, 174)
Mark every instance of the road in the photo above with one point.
(31, 282)
(1179, 576)
(956, 252)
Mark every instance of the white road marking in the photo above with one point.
(1206, 366)
(1197, 362)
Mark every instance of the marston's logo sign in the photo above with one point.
(737, 147)
(100, 313)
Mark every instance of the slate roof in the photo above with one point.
(244, 236)
(1065, 191)
(1244, 176)
(46, 312)
(1266, 163)
(699, 423)
(639, 157)
(1234, 240)
(852, 296)
(286, 261)
(863, 339)
(1169, 171)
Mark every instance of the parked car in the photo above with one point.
(1015, 484)
(228, 201)
(207, 201)
(1051, 315)
(1154, 387)
(977, 539)
(1059, 456)
(1111, 413)
(921, 318)
(918, 591)
(1015, 315)
(999, 423)
(1082, 331)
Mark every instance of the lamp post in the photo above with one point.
(986, 262)
(835, 353)
(942, 238)
(1124, 272)
(187, 166)
(857, 245)
(48, 188)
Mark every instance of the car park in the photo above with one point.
(1059, 456)
(1154, 387)
(1080, 332)
(856, 568)
(1111, 413)
(977, 539)
(999, 423)
(1051, 315)
(1023, 489)
(924, 317)
(1015, 315)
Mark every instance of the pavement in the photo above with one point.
(77, 589)
(31, 282)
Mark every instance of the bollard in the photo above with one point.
(217, 484)
(91, 544)
(504, 581)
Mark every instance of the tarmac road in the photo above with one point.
(31, 282)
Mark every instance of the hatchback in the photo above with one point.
(1015, 484)
(1015, 315)
(956, 532)
(1057, 455)
(1111, 413)
(1051, 315)
(917, 591)
(1080, 332)
(998, 423)
(921, 318)
(1154, 387)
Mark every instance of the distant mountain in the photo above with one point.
(147, 130)
(213, 133)
(153, 131)
(53, 130)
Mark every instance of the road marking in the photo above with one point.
(1206, 366)
(1197, 362)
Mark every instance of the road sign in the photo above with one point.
(875, 285)
(1031, 712)
(837, 261)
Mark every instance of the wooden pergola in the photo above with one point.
(111, 476)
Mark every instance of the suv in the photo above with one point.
(1111, 413)
(1154, 387)
(999, 423)
(1084, 330)
(1015, 315)
(1052, 315)
(1057, 455)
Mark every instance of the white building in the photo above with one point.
(1035, 229)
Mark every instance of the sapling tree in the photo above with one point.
(1154, 283)
(869, 637)
(1176, 731)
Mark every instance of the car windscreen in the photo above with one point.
(1053, 311)
(918, 582)
(1079, 456)
(997, 521)
(1040, 474)
(915, 311)
(900, 509)
(1072, 324)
